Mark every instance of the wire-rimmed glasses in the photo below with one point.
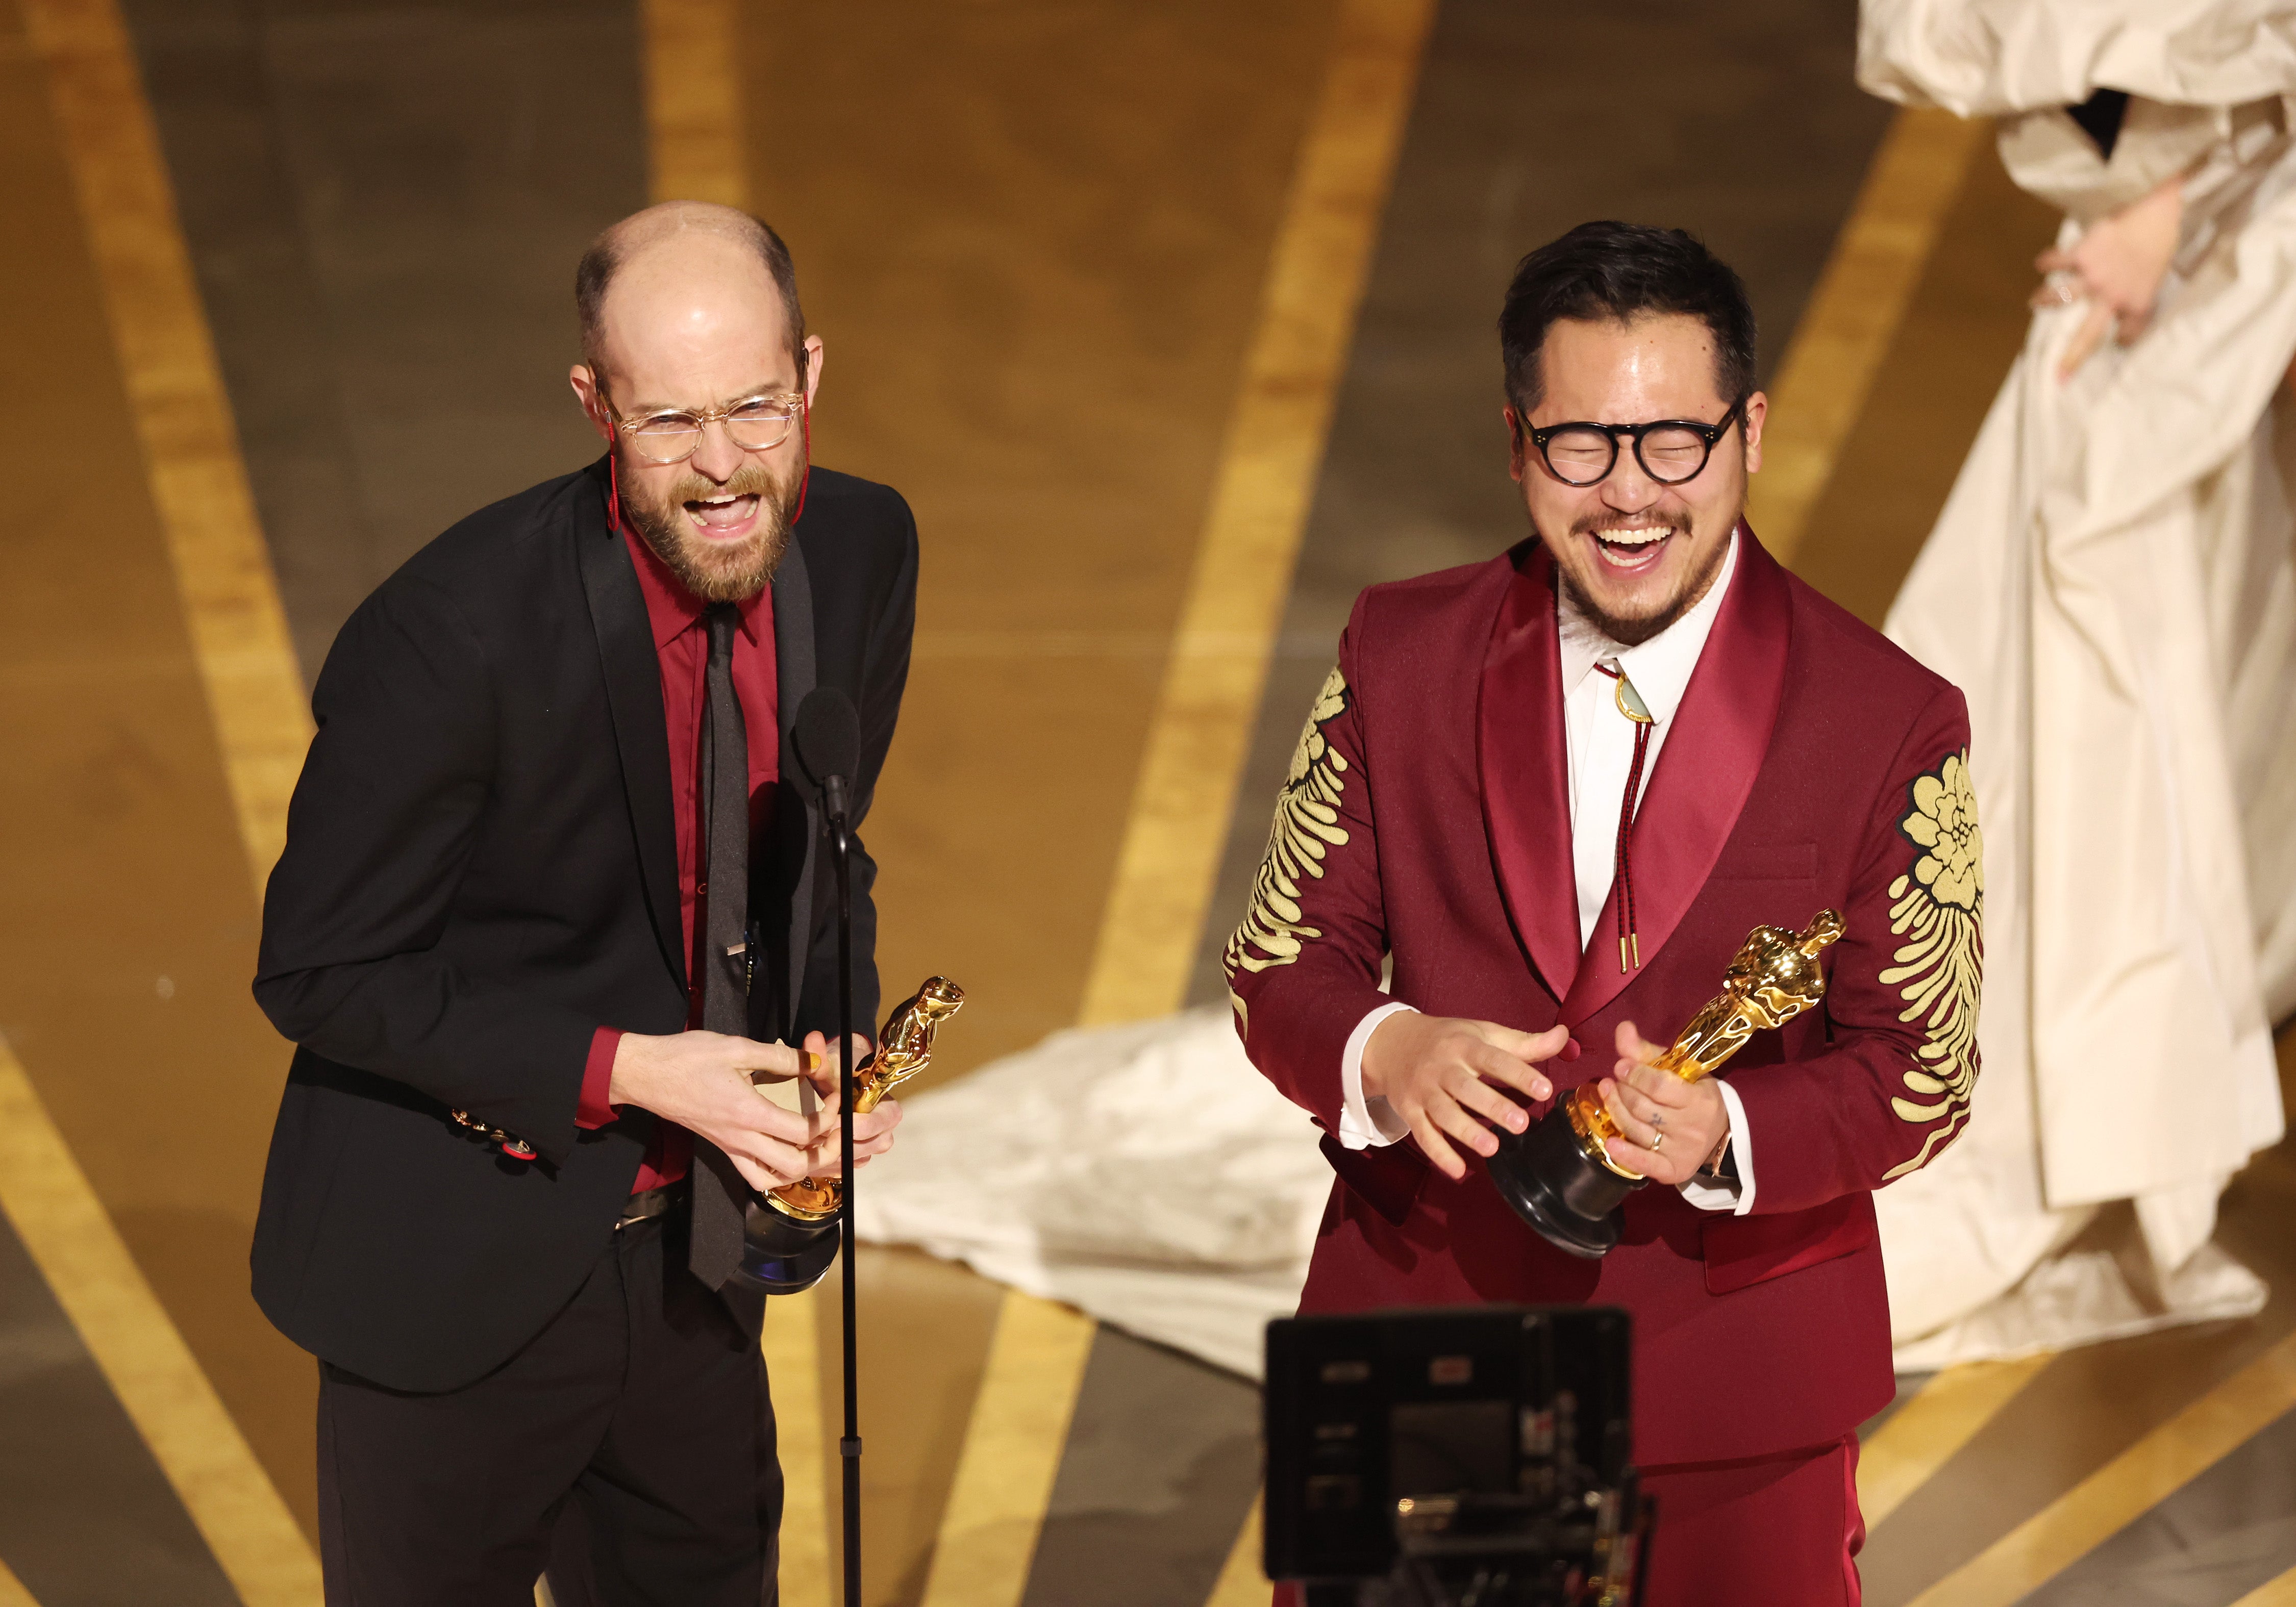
(756, 423)
(1672, 452)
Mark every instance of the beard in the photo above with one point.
(1631, 631)
(712, 570)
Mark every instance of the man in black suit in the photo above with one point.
(550, 902)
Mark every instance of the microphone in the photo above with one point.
(827, 736)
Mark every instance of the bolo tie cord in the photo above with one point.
(1623, 867)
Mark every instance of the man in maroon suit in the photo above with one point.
(1558, 788)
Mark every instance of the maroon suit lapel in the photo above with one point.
(1525, 773)
(1705, 773)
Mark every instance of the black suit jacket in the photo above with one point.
(480, 871)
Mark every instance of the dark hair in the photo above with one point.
(1618, 272)
(603, 259)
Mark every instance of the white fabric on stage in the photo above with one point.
(2111, 584)
(2082, 1296)
(1146, 1174)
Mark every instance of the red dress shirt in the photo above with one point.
(683, 646)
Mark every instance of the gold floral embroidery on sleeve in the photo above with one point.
(1306, 827)
(1939, 909)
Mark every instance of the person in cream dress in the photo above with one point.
(2111, 584)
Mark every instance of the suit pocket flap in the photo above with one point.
(1741, 1251)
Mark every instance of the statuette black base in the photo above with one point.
(783, 1255)
(1548, 1179)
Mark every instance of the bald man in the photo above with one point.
(549, 908)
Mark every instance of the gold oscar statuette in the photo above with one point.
(1559, 1176)
(904, 1049)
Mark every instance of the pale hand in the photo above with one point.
(872, 1132)
(2117, 267)
(704, 1081)
(1670, 1127)
(1444, 1074)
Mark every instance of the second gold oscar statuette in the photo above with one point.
(1559, 1176)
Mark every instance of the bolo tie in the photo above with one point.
(1623, 866)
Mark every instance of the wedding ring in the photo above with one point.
(1658, 1142)
(2063, 288)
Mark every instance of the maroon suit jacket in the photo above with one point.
(1427, 814)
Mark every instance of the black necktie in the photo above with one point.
(719, 1191)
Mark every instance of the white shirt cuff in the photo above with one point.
(1365, 1124)
(1718, 1195)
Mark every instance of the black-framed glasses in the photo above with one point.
(1672, 452)
(756, 423)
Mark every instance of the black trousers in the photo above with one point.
(630, 1446)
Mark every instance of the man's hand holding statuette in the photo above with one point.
(1444, 1075)
(704, 1081)
(828, 1079)
(1670, 1127)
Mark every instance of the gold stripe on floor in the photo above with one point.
(13, 1593)
(1012, 1454)
(1261, 494)
(47, 1199)
(2273, 1592)
(2125, 1488)
(693, 103)
(1862, 294)
(183, 416)
(791, 1343)
(1922, 1434)
(1242, 1582)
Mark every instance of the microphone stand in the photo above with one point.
(848, 1448)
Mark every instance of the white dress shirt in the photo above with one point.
(1599, 739)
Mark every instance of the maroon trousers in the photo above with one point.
(1757, 1532)
(1761, 1532)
